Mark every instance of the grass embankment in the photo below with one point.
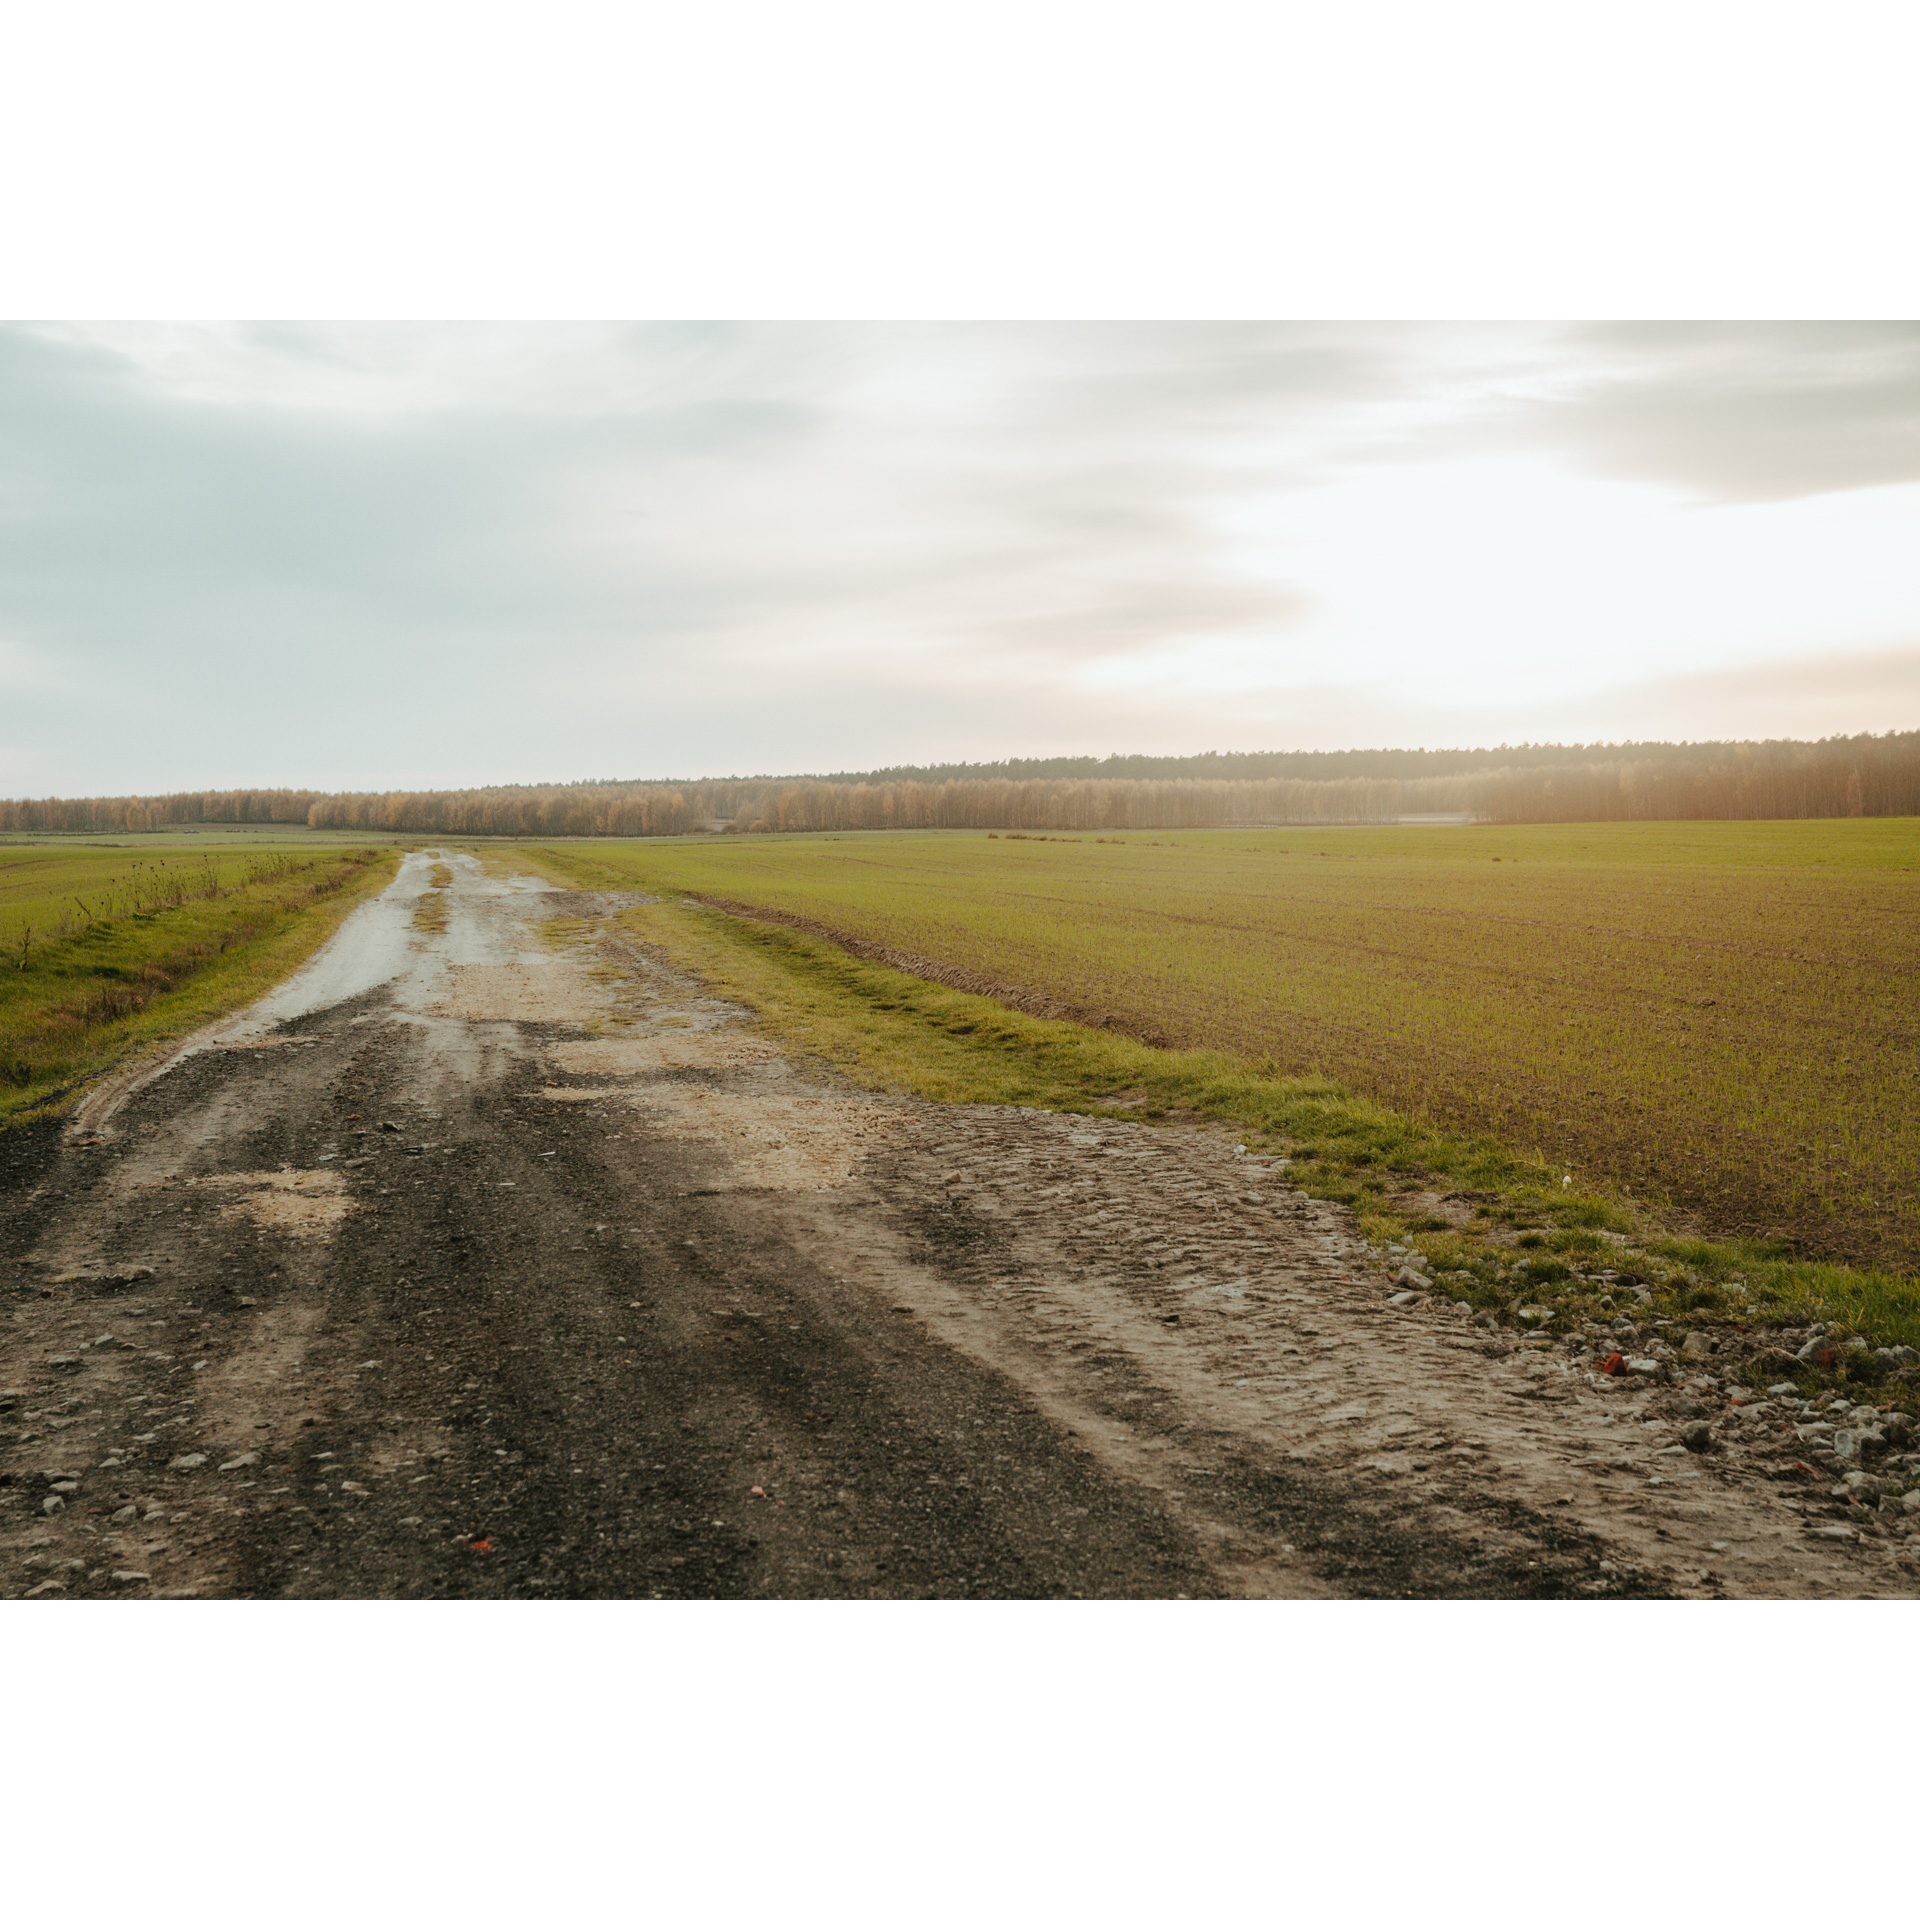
(151, 948)
(48, 892)
(1528, 1236)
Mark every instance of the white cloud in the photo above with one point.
(407, 555)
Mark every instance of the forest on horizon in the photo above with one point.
(1860, 775)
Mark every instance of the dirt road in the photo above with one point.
(493, 1257)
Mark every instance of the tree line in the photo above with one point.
(1865, 774)
(1349, 763)
(243, 807)
(1831, 779)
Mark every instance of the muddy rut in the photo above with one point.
(493, 1256)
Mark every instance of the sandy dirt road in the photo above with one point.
(494, 1257)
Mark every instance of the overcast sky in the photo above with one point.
(425, 556)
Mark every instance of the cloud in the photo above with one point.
(263, 521)
(1804, 698)
(421, 555)
(1738, 412)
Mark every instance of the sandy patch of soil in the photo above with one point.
(779, 1141)
(308, 1203)
(549, 993)
(785, 1142)
(668, 1052)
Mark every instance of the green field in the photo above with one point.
(1721, 1018)
(110, 949)
(50, 890)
